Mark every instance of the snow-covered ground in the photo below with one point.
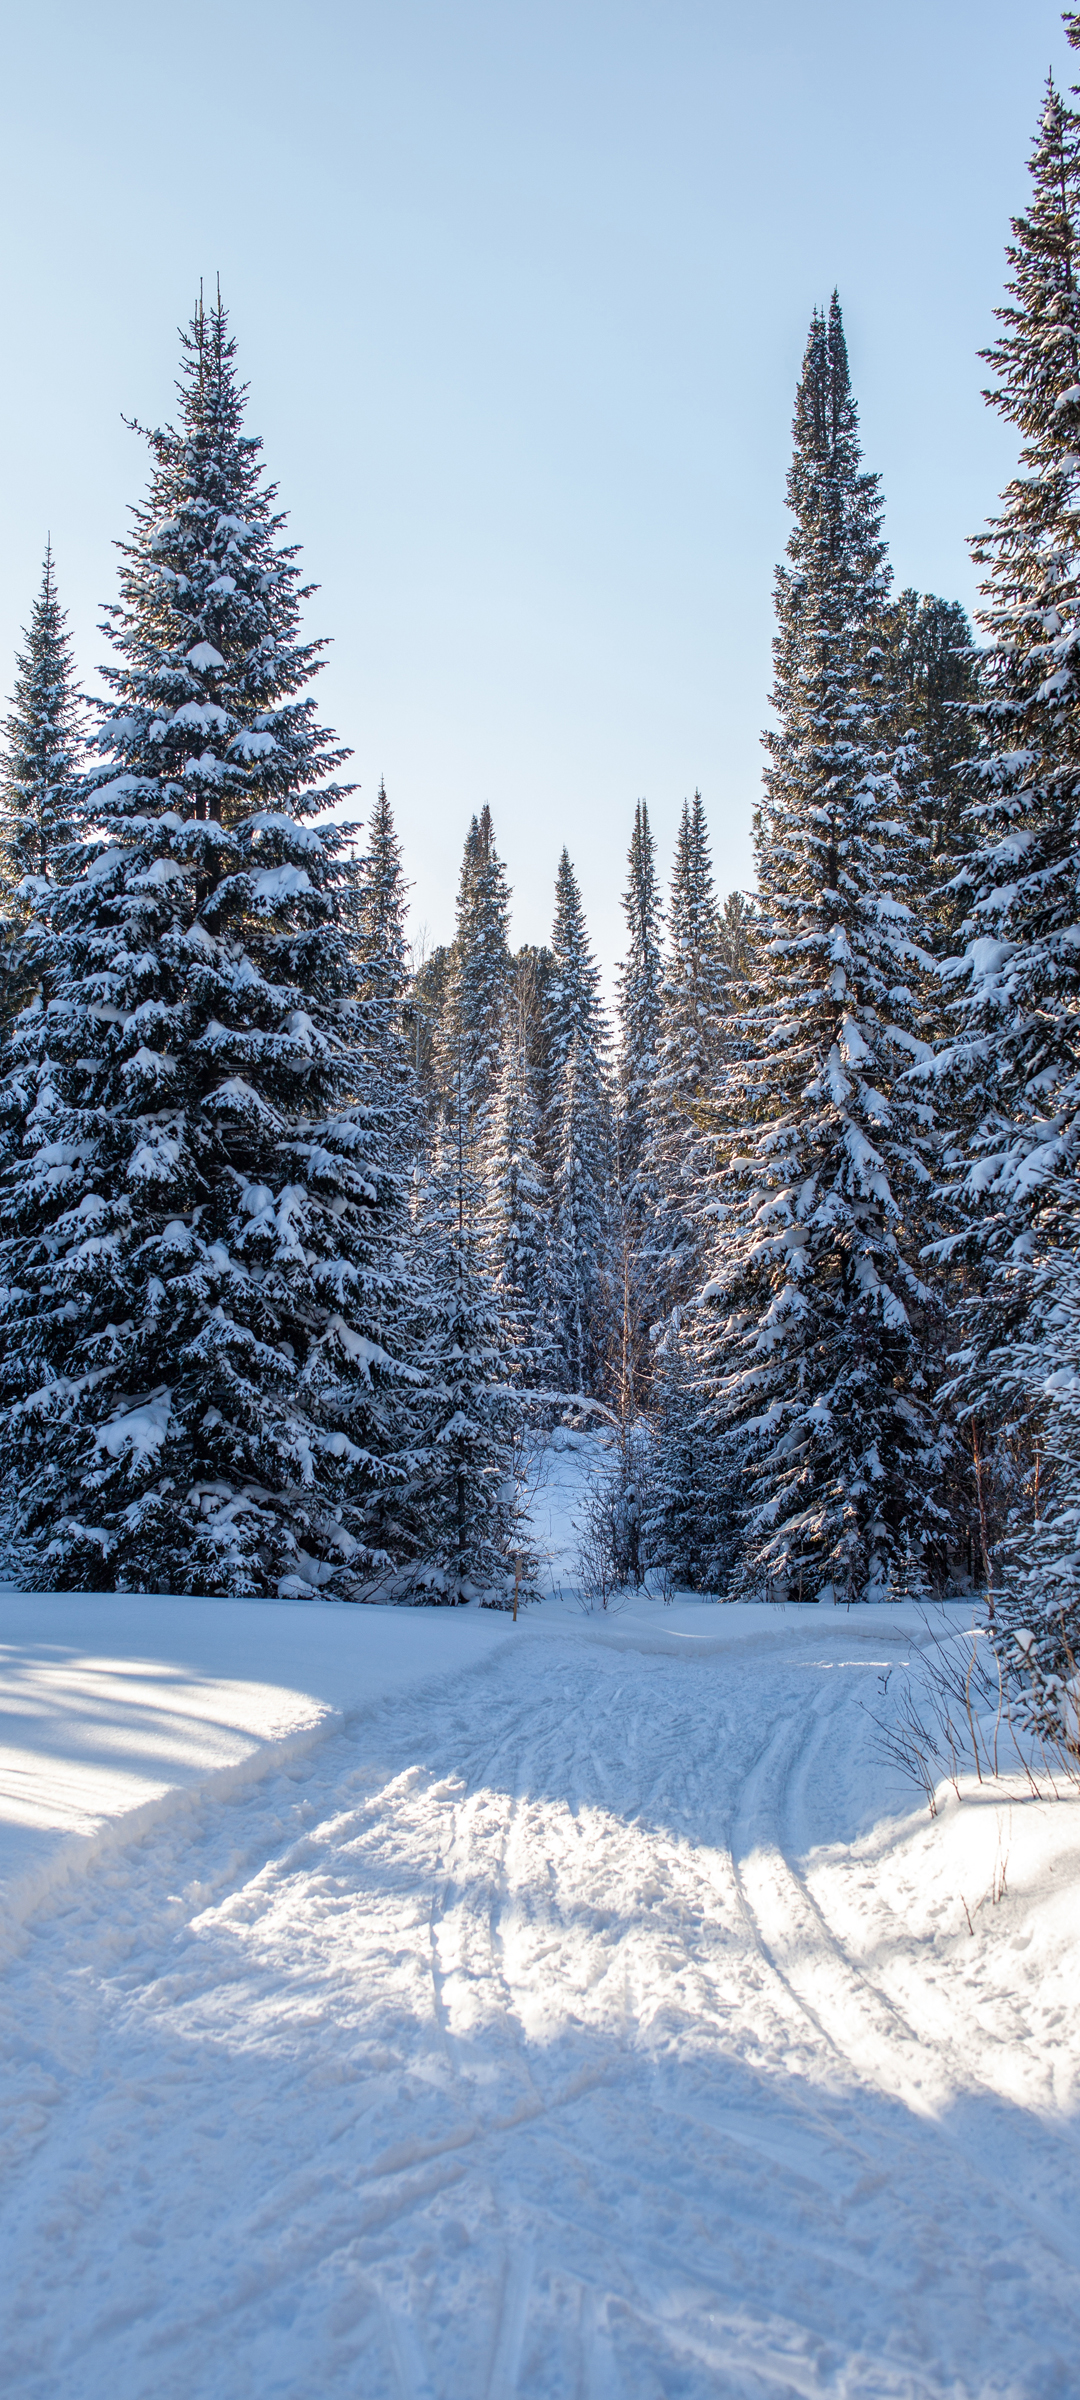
(556, 1477)
(423, 2006)
(111, 1706)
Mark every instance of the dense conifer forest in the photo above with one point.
(304, 1242)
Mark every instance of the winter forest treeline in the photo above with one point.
(302, 1237)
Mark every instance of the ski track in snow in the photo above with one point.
(572, 2030)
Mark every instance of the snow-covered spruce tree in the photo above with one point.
(382, 968)
(1014, 1067)
(694, 1002)
(514, 1210)
(465, 1493)
(39, 763)
(680, 1533)
(1034, 1565)
(577, 1144)
(636, 1192)
(809, 1366)
(639, 989)
(481, 978)
(382, 947)
(201, 1274)
(39, 767)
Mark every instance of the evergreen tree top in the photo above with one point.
(382, 905)
(641, 900)
(1036, 358)
(639, 983)
(573, 1004)
(694, 975)
(483, 902)
(837, 576)
(207, 717)
(829, 492)
(41, 742)
(481, 975)
(693, 921)
(829, 834)
(569, 934)
(1031, 548)
(1017, 1053)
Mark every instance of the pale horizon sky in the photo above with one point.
(521, 292)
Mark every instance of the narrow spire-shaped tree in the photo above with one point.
(693, 1011)
(202, 1282)
(465, 1494)
(382, 961)
(514, 1209)
(577, 1141)
(1015, 1064)
(480, 984)
(1018, 1057)
(42, 743)
(383, 949)
(639, 989)
(637, 1193)
(39, 765)
(809, 1362)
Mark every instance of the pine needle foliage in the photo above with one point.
(39, 763)
(693, 1012)
(1013, 1066)
(382, 946)
(808, 1362)
(202, 1382)
(514, 1211)
(39, 775)
(1016, 1061)
(466, 1494)
(577, 1143)
(480, 981)
(640, 982)
(637, 1190)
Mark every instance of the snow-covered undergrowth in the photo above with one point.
(598, 2015)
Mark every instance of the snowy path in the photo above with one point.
(583, 2027)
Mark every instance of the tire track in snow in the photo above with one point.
(862, 2024)
(635, 2164)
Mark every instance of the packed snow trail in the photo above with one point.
(589, 2026)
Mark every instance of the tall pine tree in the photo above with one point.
(577, 1144)
(466, 1490)
(383, 950)
(382, 964)
(693, 1014)
(810, 1370)
(639, 989)
(636, 1194)
(1014, 1066)
(481, 980)
(39, 766)
(201, 1267)
(42, 743)
(515, 1209)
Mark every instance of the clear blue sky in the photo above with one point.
(521, 289)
